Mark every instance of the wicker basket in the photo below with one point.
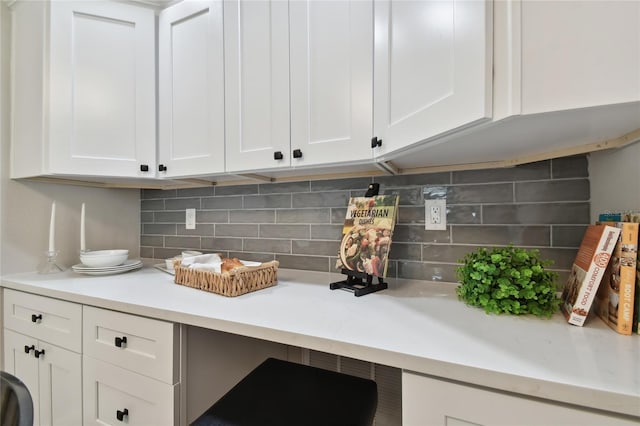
(239, 281)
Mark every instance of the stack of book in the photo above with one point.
(606, 274)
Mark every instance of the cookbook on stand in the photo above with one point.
(367, 234)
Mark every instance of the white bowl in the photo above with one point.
(104, 258)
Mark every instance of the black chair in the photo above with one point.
(16, 405)
(281, 393)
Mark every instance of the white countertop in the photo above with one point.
(414, 325)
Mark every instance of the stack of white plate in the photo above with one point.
(128, 265)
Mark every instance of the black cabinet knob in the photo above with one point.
(162, 168)
(38, 353)
(297, 153)
(278, 155)
(120, 414)
(35, 318)
(28, 349)
(144, 167)
(375, 142)
(121, 341)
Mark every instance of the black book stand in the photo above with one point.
(361, 283)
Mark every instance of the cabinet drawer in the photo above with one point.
(51, 320)
(146, 346)
(110, 390)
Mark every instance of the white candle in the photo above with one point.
(82, 242)
(52, 228)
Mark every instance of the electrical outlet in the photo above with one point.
(435, 215)
(190, 220)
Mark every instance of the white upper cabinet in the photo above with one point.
(432, 69)
(191, 99)
(331, 50)
(83, 89)
(256, 37)
(577, 55)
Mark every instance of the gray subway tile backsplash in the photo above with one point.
(236, 230)
(518, 235)
(548, 213)
(221, 243)
(558, 190)
(543, 205)
(484, 193)
(320, 199)
(182, 203)
(222, 203)
(266, 245)
(252, 216)
(315, 247)
(284, 231)
(269, 201)
(531, 171)
(570, 167)
(182, 242)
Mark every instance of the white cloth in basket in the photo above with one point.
(210, 262)
(207, 262)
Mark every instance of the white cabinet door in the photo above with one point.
(432, 69)
(331, 48)
(256, 37)
(114, 396)
(191, 99)
(53, 378)
(19, 361)
(60, 387)
(102, 89)
(566, 64)
(429, 401)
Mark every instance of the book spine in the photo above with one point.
(627, 246)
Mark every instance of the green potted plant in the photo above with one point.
(508, 280)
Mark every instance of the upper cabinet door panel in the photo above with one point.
(191, 71)
(568, 63)
(331, 80)
(432, 69)
(256, 35)
(102, 102)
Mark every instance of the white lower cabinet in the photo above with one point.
(42, 348)
(131, 369)
(113, 396)
(434, 402)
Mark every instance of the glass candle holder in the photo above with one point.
(49, 265)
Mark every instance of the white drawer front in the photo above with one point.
(150, 348)
(51, 320)
(109, 390)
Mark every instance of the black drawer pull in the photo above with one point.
(35, 318)
(120, 414)
(297, 153)
(144, 168)
(162, 168)
(38, 353)
(375, 142)
(278, 155)
(28, 349)
(121, 341)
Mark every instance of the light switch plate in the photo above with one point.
(190, 219)
(435, 215)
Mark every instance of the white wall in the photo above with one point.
(113, 216)
(615, 180)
